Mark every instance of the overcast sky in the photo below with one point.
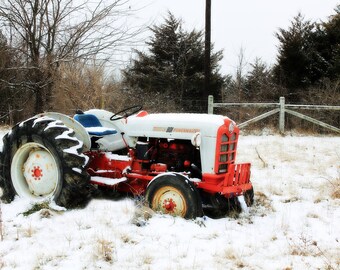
(247, 24)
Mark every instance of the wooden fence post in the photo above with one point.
(282, 108)
(282, 115)
(210, 104)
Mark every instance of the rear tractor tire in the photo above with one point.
(174, 195)
(42, 160)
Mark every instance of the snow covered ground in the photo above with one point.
(294, 223)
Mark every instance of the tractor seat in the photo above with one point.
(93, 126)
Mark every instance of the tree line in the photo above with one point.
(48, 50)
(53, 60)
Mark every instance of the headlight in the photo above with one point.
(196, 139)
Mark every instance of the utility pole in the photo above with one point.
(207, 72)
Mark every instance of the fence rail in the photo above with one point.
(281, 108)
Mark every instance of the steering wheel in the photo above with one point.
(126, 112)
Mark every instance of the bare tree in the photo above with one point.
(240, 74)
(84, 85)
(47, 33)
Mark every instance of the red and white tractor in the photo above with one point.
(177, 162)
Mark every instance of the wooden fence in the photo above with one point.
(281, 108)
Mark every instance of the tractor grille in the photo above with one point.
(226, 152)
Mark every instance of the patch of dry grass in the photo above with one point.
(230, 259)
(262, 201)
(2, 264)
(229, 254)
(127, 239)
(29, 231)
(329, 189)
(335, 193)
(305, 246)
(146, 259)
(105, 249)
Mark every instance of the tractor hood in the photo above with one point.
(183, 126)
(174, 125)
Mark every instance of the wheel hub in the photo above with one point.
(37, 173)
(169, 205)
(169, 200)
(40, 172)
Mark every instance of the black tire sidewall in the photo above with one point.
(72, 187)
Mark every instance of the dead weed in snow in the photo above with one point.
(262, 203)
(36, 208)
(291, 199)
(305, 246)
(2, 264)
(145, 259)
(230, 255)
(335, 194)
(105, 250)
(127, 239)
(262, 207)
(329, 189)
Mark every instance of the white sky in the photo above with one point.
(247, 24)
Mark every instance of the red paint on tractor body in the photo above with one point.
(169, 205)
(158, 156)
(37, 173)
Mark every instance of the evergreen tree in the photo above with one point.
(295, 59)
(259, 85)
(328, 44)
(308, 54)
(174, 64)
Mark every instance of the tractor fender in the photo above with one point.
(180, 176)
(80, 132)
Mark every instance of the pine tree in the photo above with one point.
(259, 83)
(295, 54)
(309, 54)
(329, 44)
(174, 65)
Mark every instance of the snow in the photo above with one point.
(42, 119)
(294, 223)
(117, 157)
(243, 204)
(77, 170)
(73, 150)
(107, 181)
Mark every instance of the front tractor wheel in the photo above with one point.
(42, 160)
(174, 195)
